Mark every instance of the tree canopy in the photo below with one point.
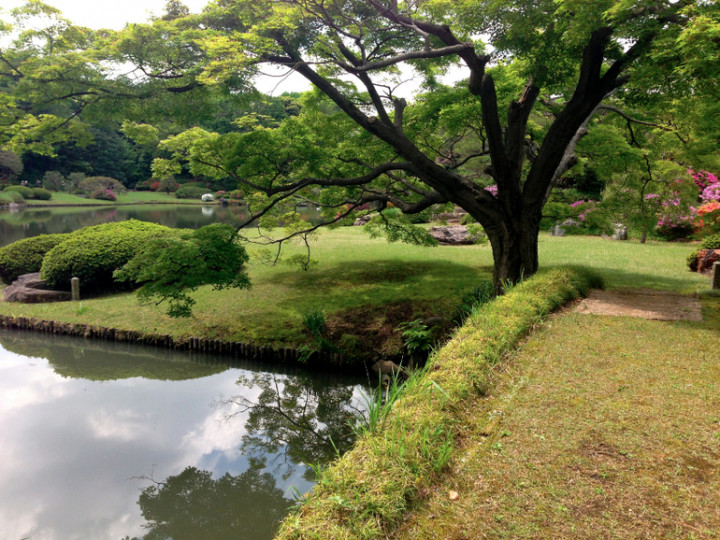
(537, 77)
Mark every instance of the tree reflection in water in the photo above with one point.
(302, 419)
(193, 506)
(295, 420)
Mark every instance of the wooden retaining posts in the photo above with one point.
(284, 355)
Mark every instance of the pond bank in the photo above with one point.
(283, 355)
(408, 445)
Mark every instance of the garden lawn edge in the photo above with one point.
(365, 493)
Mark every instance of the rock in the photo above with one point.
(388, 368)
(620, 232)
(570, 222)
(706, 258)
(30, 289)
(454, 235)
(363, 220)
(557, 230)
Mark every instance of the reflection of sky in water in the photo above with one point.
(73, 450)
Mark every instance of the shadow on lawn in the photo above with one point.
(616, 277)
(445, 274)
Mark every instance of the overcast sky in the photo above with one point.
(108, 13)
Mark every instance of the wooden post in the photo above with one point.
(716, 275)
(75, 289)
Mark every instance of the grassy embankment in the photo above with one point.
(598, 427)
(362, 282)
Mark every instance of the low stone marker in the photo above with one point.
(75, 289)
(716, 275)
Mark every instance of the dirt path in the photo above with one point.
(643, 303)
(601, 427)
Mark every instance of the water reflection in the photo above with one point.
(32, 222)
(107, 441)
(303, 419)
(193, 504)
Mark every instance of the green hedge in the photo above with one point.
(26, 192)
(26, 256)
(94, 253)
(366, 492)
(41, 194)
(7, 197)
(191, 192)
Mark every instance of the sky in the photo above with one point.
(116, 14)
(108, 13)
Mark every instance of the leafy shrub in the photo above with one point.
(25, 192)
(94, 253)
(10, 197)
(711, 242)
(104, 195)
(93, 184)
(26, 256)
(41, 194)
(190, 192)
(170, 267)
(53, 180)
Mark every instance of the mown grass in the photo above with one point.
(355, 271)
(600, 427)
(128, 197)
(366, 493)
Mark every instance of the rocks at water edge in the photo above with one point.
(30, 289)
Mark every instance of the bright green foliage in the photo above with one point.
(94, 253)
(26, 256)
(170, 267)
(25, 192)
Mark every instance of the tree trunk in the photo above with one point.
(515, 251)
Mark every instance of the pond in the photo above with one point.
(105, 440)
(29, 222)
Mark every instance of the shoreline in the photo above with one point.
(250, 351)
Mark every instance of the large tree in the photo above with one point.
(571, 56)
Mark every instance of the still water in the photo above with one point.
(34, 221)
(111, 441)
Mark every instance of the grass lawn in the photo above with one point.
(60, 198)
(364, 282)
(599, 427)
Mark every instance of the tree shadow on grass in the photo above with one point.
(618, 278)
(380, 272)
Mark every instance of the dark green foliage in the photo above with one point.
(396, 227)
(26, 256)
(26, 192)
(41, 194)
(94, 253)
(170, 267)
(191, 192)
(711, 242)
(53, 180)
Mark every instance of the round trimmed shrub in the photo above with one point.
(10, 197)
(41, 194)
(94, 253)
(190, 192)
(26, 192)
(26, 256)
